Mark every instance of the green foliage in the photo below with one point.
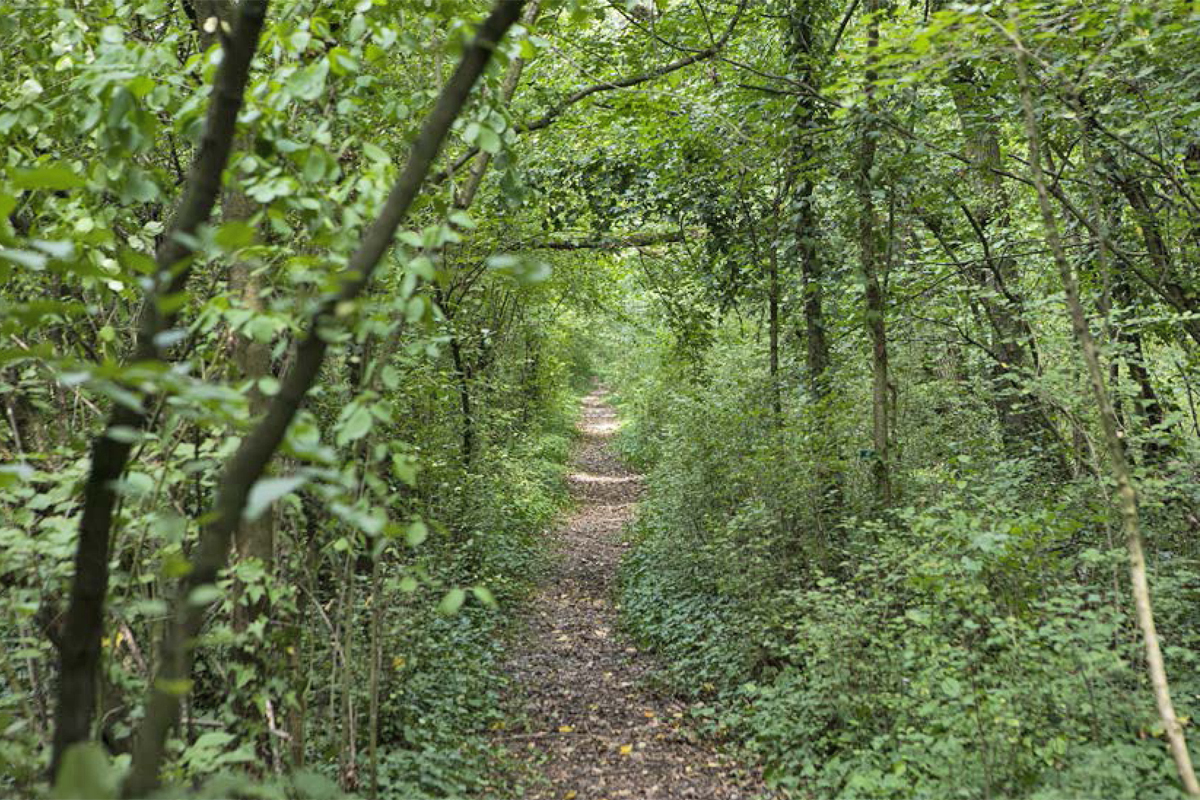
(972, 640)
(978, 643)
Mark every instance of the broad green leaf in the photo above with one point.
(355, 426)
(86, 773)
(267, 490)
(452, 602)
(416, 533)
(55, 177)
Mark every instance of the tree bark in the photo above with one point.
(1025, 423)
(871, 259)
(806, 231)
(79, 656)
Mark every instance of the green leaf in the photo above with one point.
(55, 177)
(354, 426)
(234, 235)
(60, 250)
(484, 595)
(267, 490)
(414, 310)
(26, 258)
(489, 141)
(452, 602)
(205, 594)
(416, 533)
(11, 473)
(86, 774)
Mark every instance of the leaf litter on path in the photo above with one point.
(592, 731)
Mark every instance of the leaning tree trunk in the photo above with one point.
(1119, 463)
(79, 655)
(250, 460)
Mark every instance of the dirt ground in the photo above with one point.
(593, 730)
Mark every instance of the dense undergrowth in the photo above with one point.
(438, 595)
(975, 642)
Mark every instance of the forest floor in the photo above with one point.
(592, 728)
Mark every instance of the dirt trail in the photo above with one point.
(593, 730)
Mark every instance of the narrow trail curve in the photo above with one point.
(592, 729)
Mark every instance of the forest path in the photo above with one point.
(592, 728)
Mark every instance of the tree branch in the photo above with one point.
(607, 86)
(621, 242)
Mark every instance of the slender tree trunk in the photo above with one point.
(467, 422)
(773, 334)
(254, 539)
(1180, 296)
(349, 753)
(376, 653)
(1126, 494)
(1025, 423)
(806, 230)
(466, 195)
(872, 267)
(79, 656)
(1148, 408)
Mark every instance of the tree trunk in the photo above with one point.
(257, 448)
(1025, 423)
(80, 654)
(872, 267)
(1126, 495)
(806, 230)
(773, 334)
